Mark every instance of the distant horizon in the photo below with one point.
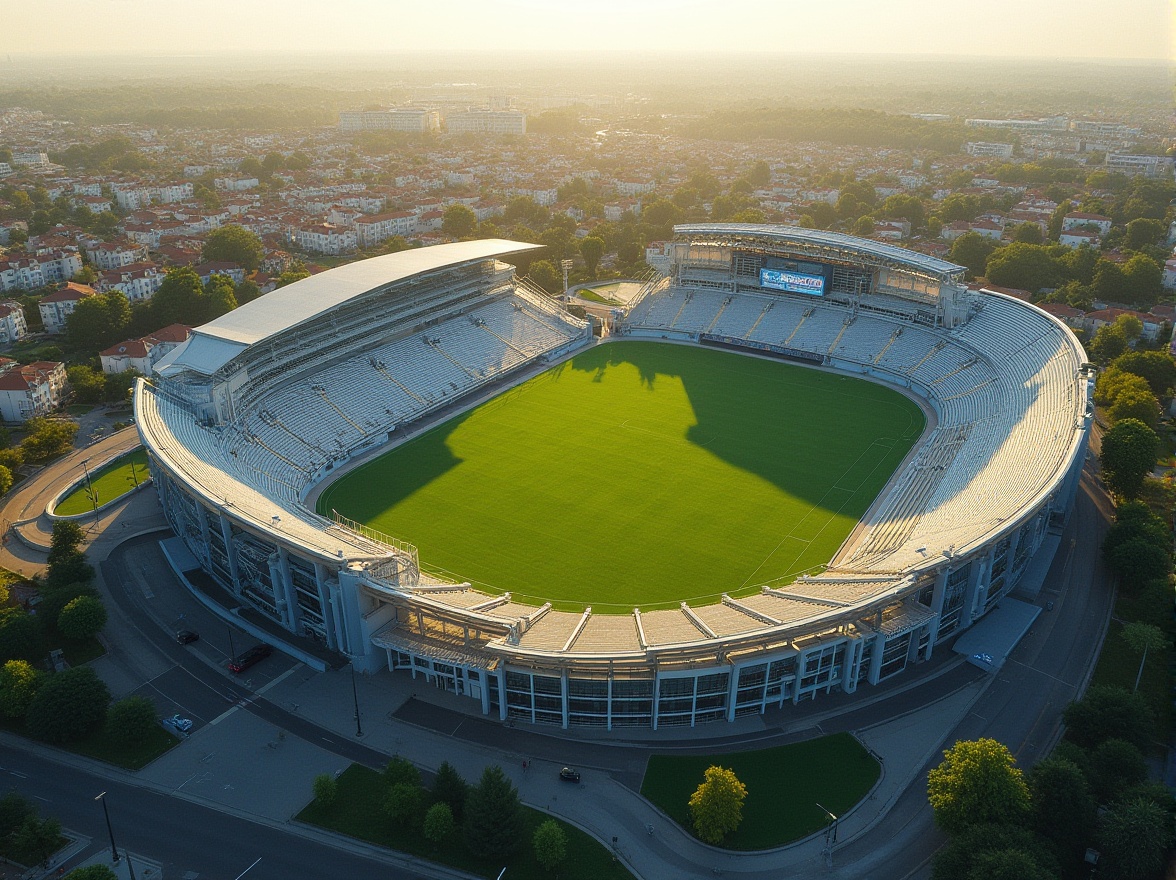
(1137, 30)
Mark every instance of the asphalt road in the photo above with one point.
(192, 841)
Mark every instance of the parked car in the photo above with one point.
(180, 723)
(567, 774)
(187, 637)
(249, 657)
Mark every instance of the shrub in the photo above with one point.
(131, 720)
(81, 619)
(326, 789)
(69, 706)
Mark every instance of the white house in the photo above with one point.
(143, 354)
(26, 273)
(30, 390)
(56, 307)
(1079, 220)
(12, 322)
(1077, 237)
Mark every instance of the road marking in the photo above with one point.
(247, 870)
(279, 679)
(223, 715)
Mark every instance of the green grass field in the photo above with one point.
(784, 786)
(640, 474)
(110, 482)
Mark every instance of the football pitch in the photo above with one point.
(640, 474)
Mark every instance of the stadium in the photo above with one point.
(796, 463)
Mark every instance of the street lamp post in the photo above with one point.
(830, 835)
(114, 856)
(232, 651)
(355, 696)
(565, 265)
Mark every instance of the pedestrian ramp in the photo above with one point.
(989, 642)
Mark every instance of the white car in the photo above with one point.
(180, 723)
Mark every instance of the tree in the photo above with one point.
(21, 637)
(402, 803)
(972, 250)
(1143, 637)
(1027, 266)
(760, 174)
(180, 299)
(92, 872)
(551, 844)
(19, 683)
(493, 822)
(98, 321)
(1156, 367)
(15, 809)
(220, 296)
(1138, 561)
(1028, 233)
(977, 782)
(716, 806)
(246, 291)
(1109, 342)
(88, 385)
(1128, 455)
(295, 273)
(131, 720)
(81, 619)
(545, 274)
(1135, 403)
(450, 788)
(1142, 280)
(6, 480)
(1108, 712)
(1115, 766)
(234, 244)
(973, 847)
(47, 438)
(1063, 809)
(438, 823)
(1132, 839)
(1007, 864)
(35, 840)
(326, 789)
(67, 537)
(592, 249)
(1143, 231)
(69, 706)
(401, 771)
(458, 221)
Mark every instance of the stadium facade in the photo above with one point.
(267, 402)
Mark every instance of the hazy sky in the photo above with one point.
(1026, 28)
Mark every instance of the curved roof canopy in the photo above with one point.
(214, 344)
(731, 233)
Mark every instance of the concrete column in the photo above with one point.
(226, 528)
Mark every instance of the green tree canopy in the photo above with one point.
(19, 682)
(220, 296)
(47, 438)
(1138, 404)
(1106, 712)
(450, 788)
(550, 843)
(131, 720)
(246, 291)
(69, 706)
(544, 274)
(97, 322)
(977, 782)
(180, 299)
(458, 221)
(82, 618)
(1144, 231)
(439, 823)
(21, 637)
(591, 249)
(1063, 808)
(716, 806)
(493, 824)
(1143, 637)
(403, 803)
(1157, 367)
(1028, 233)
(1128, 455)
(1115, 766)
(1026, 266)
(326, 789)
(1108, 343)
(92, 872)
(972, 847)
(972, 251)
(1132, 839)
(67, 537)
(234, 244)
(88, 385)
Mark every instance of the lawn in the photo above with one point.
(1118, 665)
(784, 786)
(357, 812)
(640, 474)
(104, 747)
(109, 482)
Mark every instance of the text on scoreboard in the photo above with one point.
(793, 282)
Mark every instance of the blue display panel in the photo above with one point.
(793, 282)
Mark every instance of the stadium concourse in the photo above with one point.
(265, 404)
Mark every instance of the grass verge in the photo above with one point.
(357, 812)
(109, 482)
(784, 786)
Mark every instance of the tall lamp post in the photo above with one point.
(355, 696)
(830, 835)
(114, 856)
(566, 265)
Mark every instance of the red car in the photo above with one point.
(250, 657)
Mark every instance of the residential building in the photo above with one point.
(232, 271)
(323, 238)
(30, 390)
(142, 354)
(138, 281)
(987, 148)
(1148, 166)
(487, 122)
(1077, 237)
(1080, 220)
(116, 254)
(12, 322)
(1095, 321)
(56, 307)
(38, 270)
(416, 120)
